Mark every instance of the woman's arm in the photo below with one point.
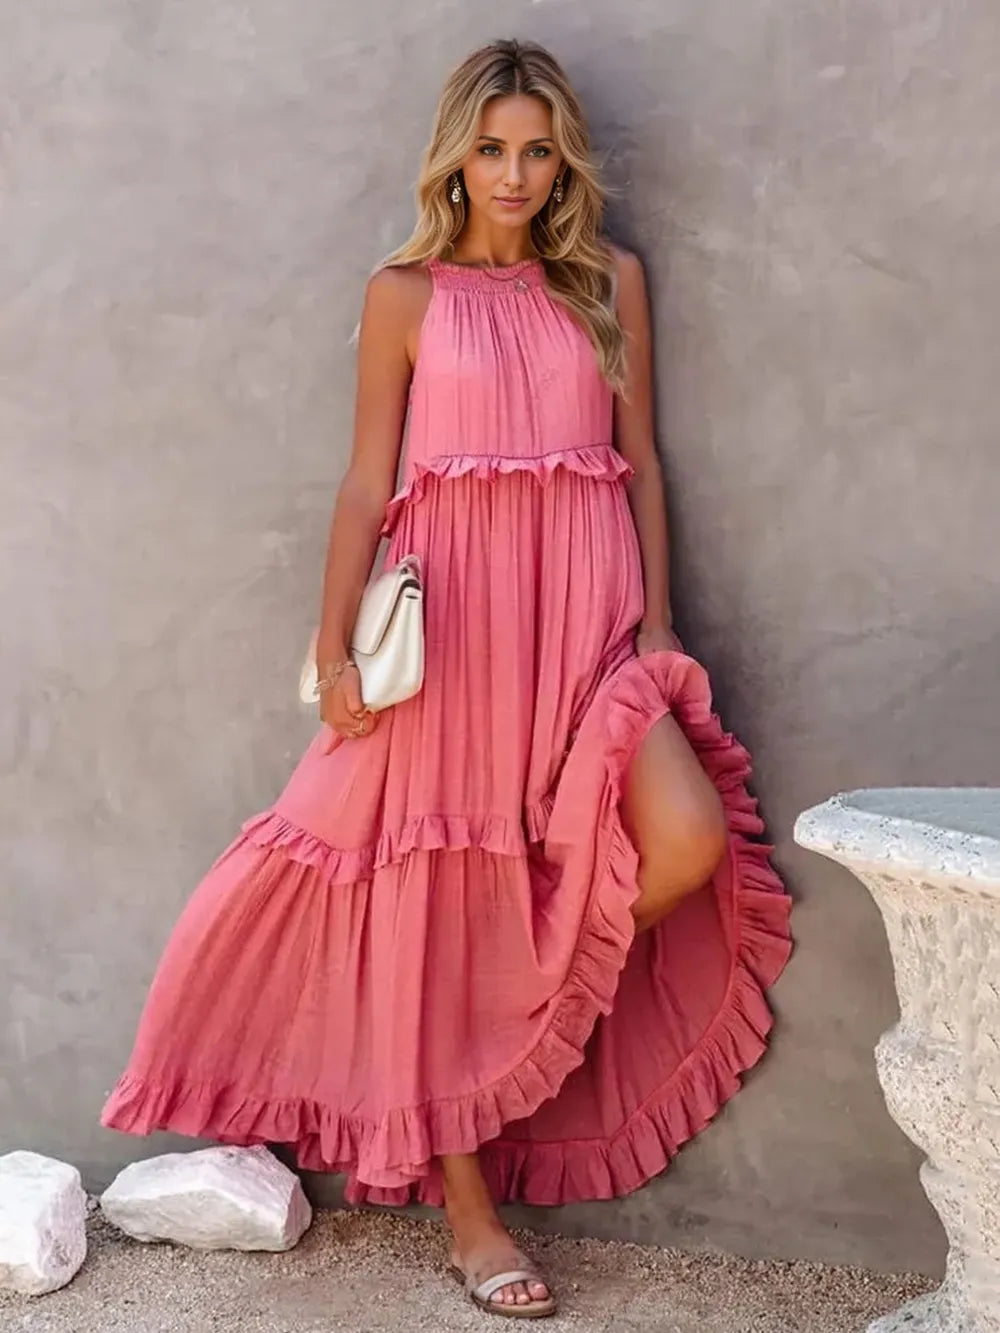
(635, 437)
(383, 377)
(393, 312)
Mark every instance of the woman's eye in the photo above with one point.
(491, 149)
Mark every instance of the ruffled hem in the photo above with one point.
(600, 462)
(390, 1162)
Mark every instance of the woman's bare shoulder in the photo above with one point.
(396, 299)
(396, 295)
(627, 262)
(398, 281)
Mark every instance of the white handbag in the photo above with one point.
(387, 643)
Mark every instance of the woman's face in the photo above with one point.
(515, 157)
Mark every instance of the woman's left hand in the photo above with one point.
(656, 640)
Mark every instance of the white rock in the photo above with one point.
(43, 1223)
(224, 1198)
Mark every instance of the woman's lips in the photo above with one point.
(510, 203)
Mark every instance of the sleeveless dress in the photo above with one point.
(425, 945)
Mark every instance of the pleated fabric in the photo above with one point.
(425, 945)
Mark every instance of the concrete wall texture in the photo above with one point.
(193, 195)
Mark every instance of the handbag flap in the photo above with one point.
(378, 604)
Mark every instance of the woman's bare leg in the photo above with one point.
(480, 1239)
(674, 816)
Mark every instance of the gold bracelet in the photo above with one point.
(334, 674)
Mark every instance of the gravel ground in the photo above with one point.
(372, 1272)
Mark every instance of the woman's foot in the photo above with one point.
(481, 1244)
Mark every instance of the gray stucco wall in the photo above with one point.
(192, 198)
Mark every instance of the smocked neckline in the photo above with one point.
(492, 277)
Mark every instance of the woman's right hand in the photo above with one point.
(342, 708)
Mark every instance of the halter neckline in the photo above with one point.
(522, 273)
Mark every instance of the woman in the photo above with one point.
(508, 939)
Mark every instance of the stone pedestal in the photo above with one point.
(931, 859)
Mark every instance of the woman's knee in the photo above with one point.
(687, 848)
(708, 841)
(711, 826)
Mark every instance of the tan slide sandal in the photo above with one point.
(481, 1292)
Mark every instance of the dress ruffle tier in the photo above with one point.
(599, 462)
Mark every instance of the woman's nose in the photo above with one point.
(512, 175)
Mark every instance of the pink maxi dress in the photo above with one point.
(425, 945)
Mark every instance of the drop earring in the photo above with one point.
(456, 190)
(557, 193)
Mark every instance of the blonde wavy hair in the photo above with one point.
(579, 266)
